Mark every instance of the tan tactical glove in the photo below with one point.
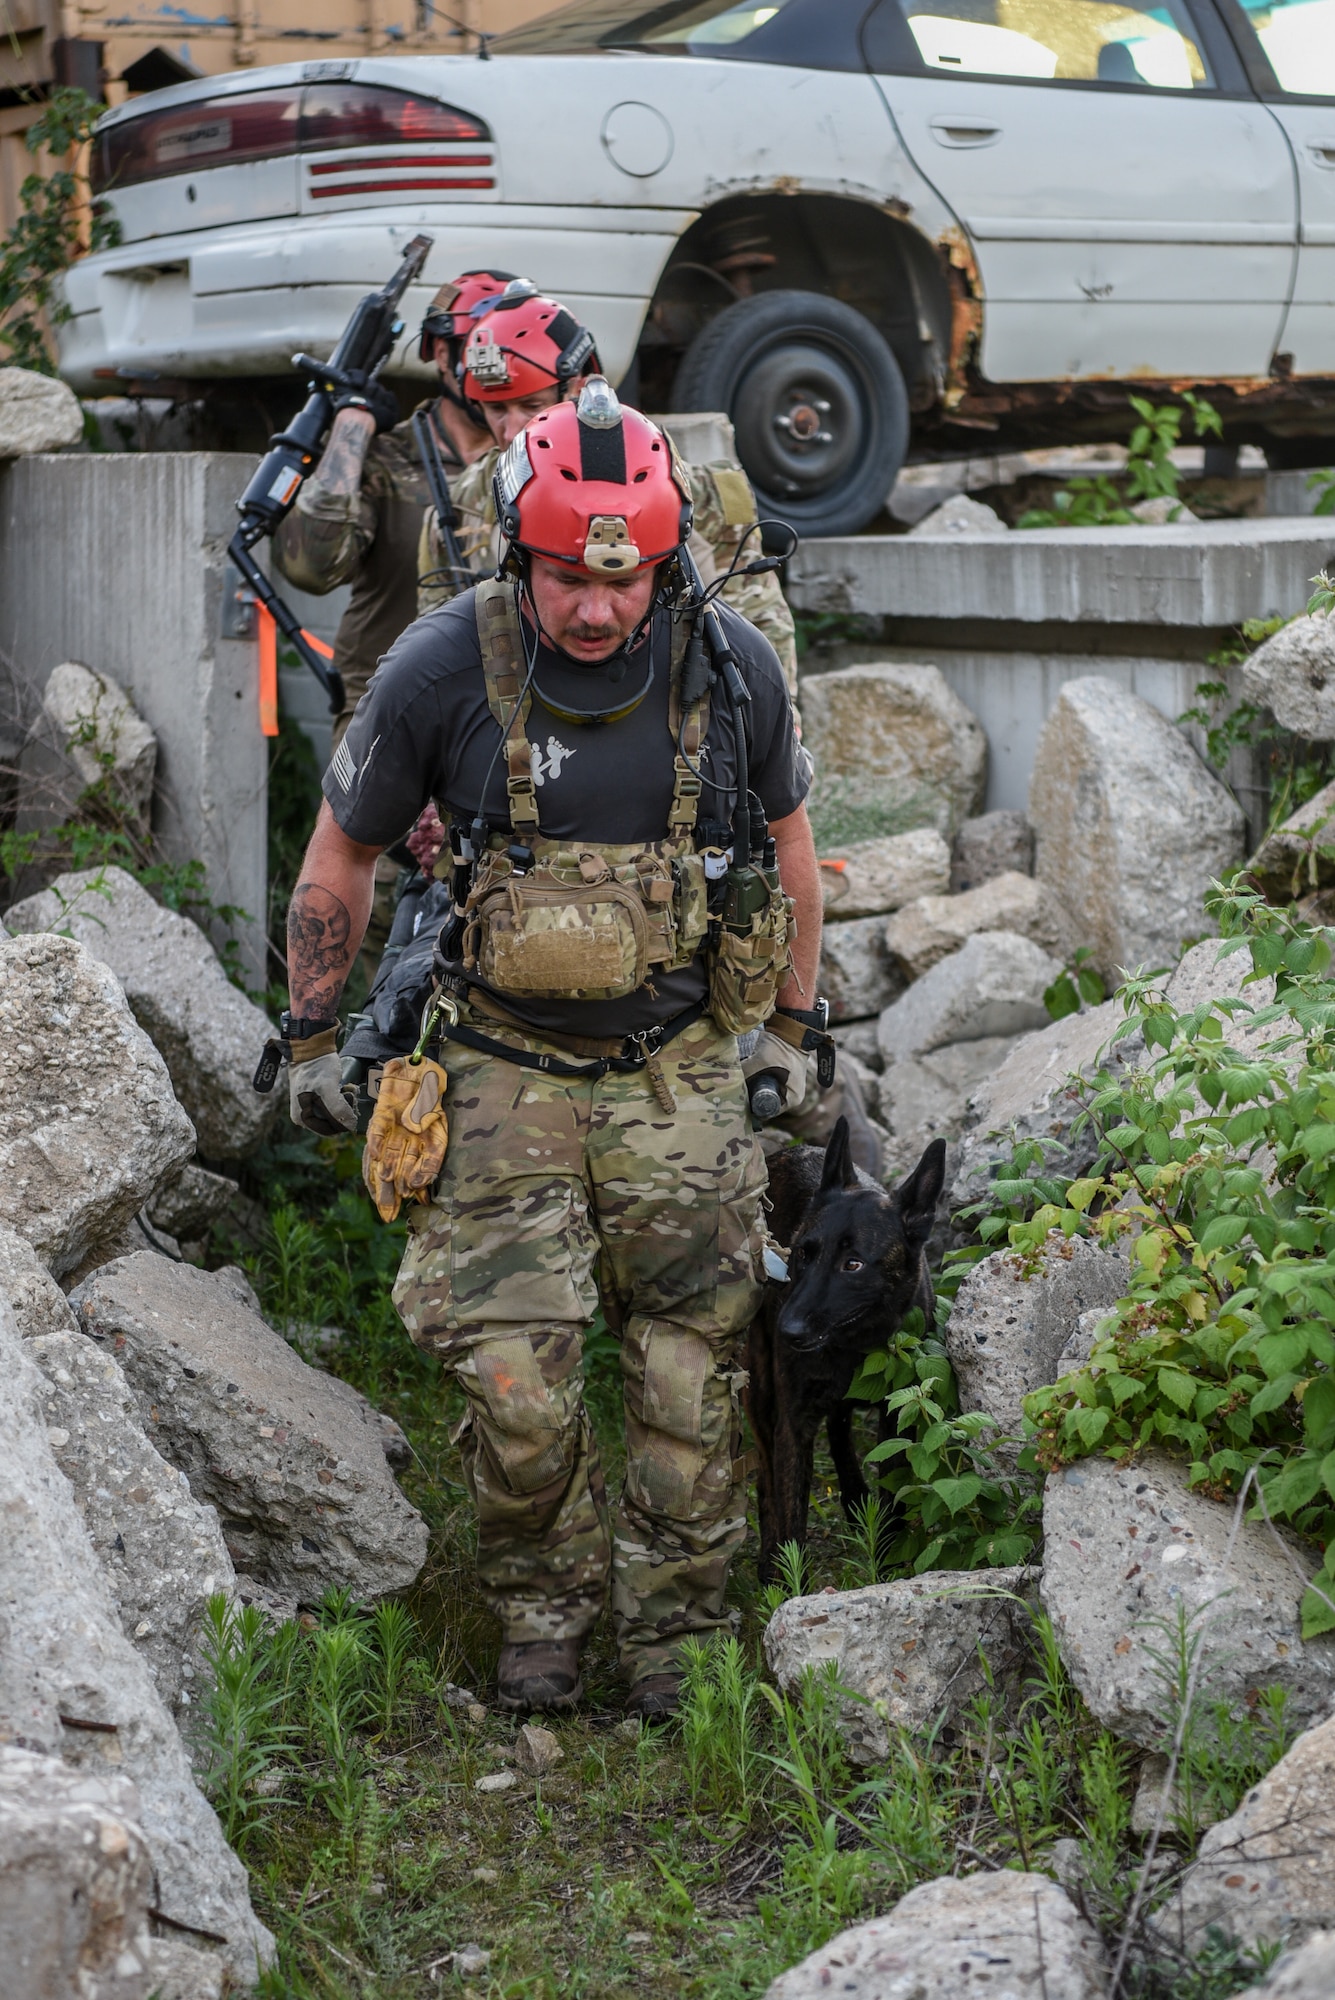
(405, 1142)
(315, 1087)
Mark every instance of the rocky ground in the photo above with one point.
(245, 1735)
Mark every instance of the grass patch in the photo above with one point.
(344, 1751)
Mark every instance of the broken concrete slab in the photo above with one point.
(90, 1125)
(1005, 1933)
(1266, 1873)
(76, 1883)
(72, 1685)
(1131, 827)
(206, 1030)
(928, 929)
(894, 736)
(294, 1460)
(908, 1650)
(37, 413)
(869, 878)
(162, 1552)
(1129, 1548)
(1013, 1317)
(994, 985)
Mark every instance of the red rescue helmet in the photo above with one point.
(593, 485)
(453, 309)
(522, 345)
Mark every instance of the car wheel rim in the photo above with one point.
(802, 418)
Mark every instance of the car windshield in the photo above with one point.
(677, 27)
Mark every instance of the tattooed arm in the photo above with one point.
(327, 918)
(329, 531)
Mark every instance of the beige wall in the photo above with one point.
(253, 33)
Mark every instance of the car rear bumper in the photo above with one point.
(243, 300)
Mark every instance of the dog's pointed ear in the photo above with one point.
(920, 1193)
(839, 1169)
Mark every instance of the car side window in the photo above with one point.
(1048, 41)
(1298, 37)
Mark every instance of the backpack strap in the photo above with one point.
(688, 734)
(502, 651)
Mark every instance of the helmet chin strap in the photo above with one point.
(617, 662)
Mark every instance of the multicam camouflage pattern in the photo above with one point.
(556, 1192)
(369, 539)
(724, 508)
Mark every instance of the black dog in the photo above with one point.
(857, 1264)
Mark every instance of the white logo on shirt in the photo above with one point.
(557, 755)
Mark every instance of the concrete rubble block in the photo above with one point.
(961, 515)
(908, 1649)
(1293, 675)
(1009, 1326)
(993, 985)
(89, 1123)
(930, 928)
(1299, 855)
(869, 878)
(931, 1092)
(190, 1205)
(1128, 1549)
(76, 1883)
(178, 1972)
(293, 1460)
(161, 1551)
(886, 734)
(72, 1686)
(37, 413)
(1268, 1872)
(208, 1033)
(1038, 1093)
(34, 1297)
(1019, 1937)
(1305, 1974)
(993, 844)
(104, 739)
(856, 975)
(1130, 826)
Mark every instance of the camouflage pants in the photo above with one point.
(554, 1191)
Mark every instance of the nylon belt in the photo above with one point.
(652, 1041)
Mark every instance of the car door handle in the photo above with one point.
(961, 131)
(1323, 152)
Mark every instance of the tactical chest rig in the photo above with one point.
(557, 920)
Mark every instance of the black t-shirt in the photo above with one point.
(423, 731)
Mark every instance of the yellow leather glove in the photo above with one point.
(405, 1141)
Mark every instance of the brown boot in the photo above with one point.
(656, 1697)
(540, 1673)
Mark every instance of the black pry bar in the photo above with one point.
(438, 484)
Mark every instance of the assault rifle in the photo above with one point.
(366, 344)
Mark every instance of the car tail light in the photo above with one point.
(266, 124)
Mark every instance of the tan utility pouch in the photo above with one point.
(552, 941)
(747, 969)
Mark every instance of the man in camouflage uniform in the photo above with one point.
(599, 1147)
(358, 519)
(725, 506)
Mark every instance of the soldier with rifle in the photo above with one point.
(633, 886)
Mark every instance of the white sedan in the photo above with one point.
(854, 224)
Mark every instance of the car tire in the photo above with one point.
(816, 400)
